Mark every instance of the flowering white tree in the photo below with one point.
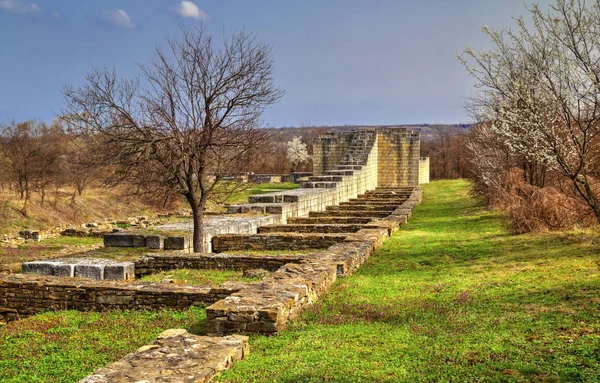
(540, 91)
(297, 152)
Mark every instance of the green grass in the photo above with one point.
(451, 297)
(71, 241)
(64, 347)
(199, 277)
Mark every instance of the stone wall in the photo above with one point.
(266, 307)
(423, 170)
(176, 356)
(25, 295)
(275, 241)
(328, 150)
(299, 202)
(154, 263)
(399, 154)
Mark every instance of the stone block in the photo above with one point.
(176, 243)
(88, 270)
(64, 270)
(120, 271)
(155, 242)
(139, 240)
(118, 240)
(38, 267)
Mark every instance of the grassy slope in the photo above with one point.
(202, 277)
(66, 346)
(452, 297)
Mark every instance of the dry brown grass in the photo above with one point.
(60, 209)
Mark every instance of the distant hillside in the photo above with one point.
(427, 130)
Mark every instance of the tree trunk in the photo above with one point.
(198, 219)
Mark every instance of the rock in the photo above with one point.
(39, 267)
(171, 333)
(155, 242)
(256, 273)
(119, 272)
(176, 243)
(176, 356)
(93, 271)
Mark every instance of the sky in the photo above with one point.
(340, 62)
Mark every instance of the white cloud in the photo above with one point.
(55, 15)
(191, 10)
(118, 18)
(19, 7)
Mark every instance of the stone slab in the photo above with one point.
(155, 242)
(118, 240)
(176, 356)
(92, 271)
(176, 243)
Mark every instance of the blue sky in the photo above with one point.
(339, 61)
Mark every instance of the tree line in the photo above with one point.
(39, 159)
(535, 151)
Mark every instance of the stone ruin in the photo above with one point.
(364, 187)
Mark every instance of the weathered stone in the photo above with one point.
(176, 243)
(121, 271)
(118, 240)
(176, 356)
(64, 270)
(155, 242)
(138, 240)
(39, 267)
(50, 293)
(93, 271)
(256, 273)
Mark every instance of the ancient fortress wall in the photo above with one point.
(345, 165)
(399, 153)
(328, 151)
(424, 170)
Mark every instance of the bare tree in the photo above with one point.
(541, 92)
(193, 116)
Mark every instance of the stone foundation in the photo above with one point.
(275, 242)
(93, 268)
(154, 263)
(176, 356)
(24, 295)
(266, 307)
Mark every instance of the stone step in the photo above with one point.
(381, 201)
(356, 163)
(176, 356)
(394, 188)
(339, 172)
(390, 191)
(318, 185)
(348, 167)
(275, 241)
(349, 213)
(382, 196)
(328, 178)
(310, 228)
(388, 208)
(329, 220)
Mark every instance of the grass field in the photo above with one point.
(200, 277)
(451, 297)
(64, 347)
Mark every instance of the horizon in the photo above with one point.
(340, 63)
